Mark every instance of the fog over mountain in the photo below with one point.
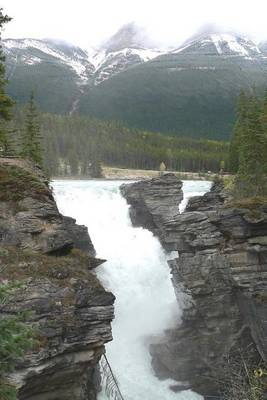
(168, 23)
(131, 36)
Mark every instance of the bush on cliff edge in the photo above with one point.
(15, 338)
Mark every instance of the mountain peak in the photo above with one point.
(214, 41)
(128, 36)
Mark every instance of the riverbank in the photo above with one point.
(112, 173)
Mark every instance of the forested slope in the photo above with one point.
(187, 94)
(73, 142)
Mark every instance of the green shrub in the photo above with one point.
(16, 337)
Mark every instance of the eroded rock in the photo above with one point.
(154, 203)
(222, 269)
(69, 309)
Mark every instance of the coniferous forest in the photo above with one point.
(72, 143)
(248, 147)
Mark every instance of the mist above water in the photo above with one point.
(137, 273)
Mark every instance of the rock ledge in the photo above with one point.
(54, 258)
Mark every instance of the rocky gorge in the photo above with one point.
(54, 260)
(222, 271)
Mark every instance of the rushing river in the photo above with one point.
(137, 273)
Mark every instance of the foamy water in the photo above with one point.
(137, 273)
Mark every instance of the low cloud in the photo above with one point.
(165, 23)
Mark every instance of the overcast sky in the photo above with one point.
(169, 22)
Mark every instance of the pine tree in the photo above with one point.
(31, 137)
(264, 123)
(95, 169)
(251, 180)
(5, 101)
(242, 106)
(16, 337)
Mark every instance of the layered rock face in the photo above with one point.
(69, 309)
(154, 203)
(222, 267)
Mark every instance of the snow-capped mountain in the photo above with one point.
(191, 89)
(111, 63)
(123, 50)
(129, 36)
(263, 48)
(225, 44)
(35, 51)
(128, 79)
(128, 47)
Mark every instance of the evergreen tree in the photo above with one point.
(16, 338)
(5, 101)
(240, 125)
(264, 123)
(116, 145)
(251, 180)
(31, 137)
(95, 169)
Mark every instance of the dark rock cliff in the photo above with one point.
(222, 267)
(54, 258)
(154, 203)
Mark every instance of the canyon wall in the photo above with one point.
(222, 271)
(70, 311)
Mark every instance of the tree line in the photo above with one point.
(73, 143)
(24, 140)
(248, 147)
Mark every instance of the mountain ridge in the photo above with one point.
(118, 49)
(129, 46)
(147, 88)
(224, 43)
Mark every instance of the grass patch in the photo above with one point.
(228, 183)
(250, 203)
(16, 183)
(16, 264)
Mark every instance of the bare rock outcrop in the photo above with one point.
(69, 309)
(154, 203)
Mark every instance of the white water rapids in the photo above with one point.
(137, 273)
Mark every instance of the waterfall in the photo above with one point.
(137, 273)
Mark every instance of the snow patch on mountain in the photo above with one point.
(97, 58)
(31, 60)
(231, 42)
(224, 44)
(77, 60)
(145, 55)
(127, 48)
(148, 54)
(216, 41)
(108, 64)
(85, 63)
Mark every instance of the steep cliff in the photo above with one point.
(222, 267)
(154, 203)
(69, 309)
